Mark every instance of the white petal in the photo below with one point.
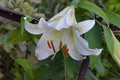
(84, 26)
(40, 27)
(69, 40)
(43, 51)
(32, 28)
(62, 13)
(43, 26)
(64, 19)
(59, 24)
(82, 46)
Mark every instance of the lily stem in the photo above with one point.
(83, 69)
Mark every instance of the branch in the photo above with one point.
(83, 69)
(12, 17)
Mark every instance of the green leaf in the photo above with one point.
(93, 8)
(71, 68)
(94, 37)
(57, 69)
(26, 66)
(113, 18)
(116, 53)
(93, 61)
(108, 38)
(95, 40)
(100, 68)
(112, 44)
(15, 36)
(50, 69)
(90, 76)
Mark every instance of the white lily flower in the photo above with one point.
(62, 31)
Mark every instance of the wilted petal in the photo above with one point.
(73, 52)
(84, 26)
(82, 46)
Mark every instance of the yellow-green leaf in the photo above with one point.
(108, 38)
(113, 44)
(116, 54)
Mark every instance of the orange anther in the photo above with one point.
(65, 49)
(49, 44)
(60, 45)
(52, 46)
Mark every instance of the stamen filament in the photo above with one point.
(53, 56)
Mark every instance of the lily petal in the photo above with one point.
(43, 51)
(43, 25)
(64, 19)
(40, 27)
(84, 26)
(32, 28)
(59, 23)
(62, 13)
(82, 46)
(73, 52)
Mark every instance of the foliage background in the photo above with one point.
(17, 60)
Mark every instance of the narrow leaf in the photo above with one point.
(93, 8)
(112, 44)
(108, 38)
(113, 18)
(116, 54)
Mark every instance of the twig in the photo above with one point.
(10, 14)
(83, 69)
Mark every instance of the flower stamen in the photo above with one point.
(53, 47)
(65, 50)
(49, 44)
(60, 45)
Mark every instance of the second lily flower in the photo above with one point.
(62, 31)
